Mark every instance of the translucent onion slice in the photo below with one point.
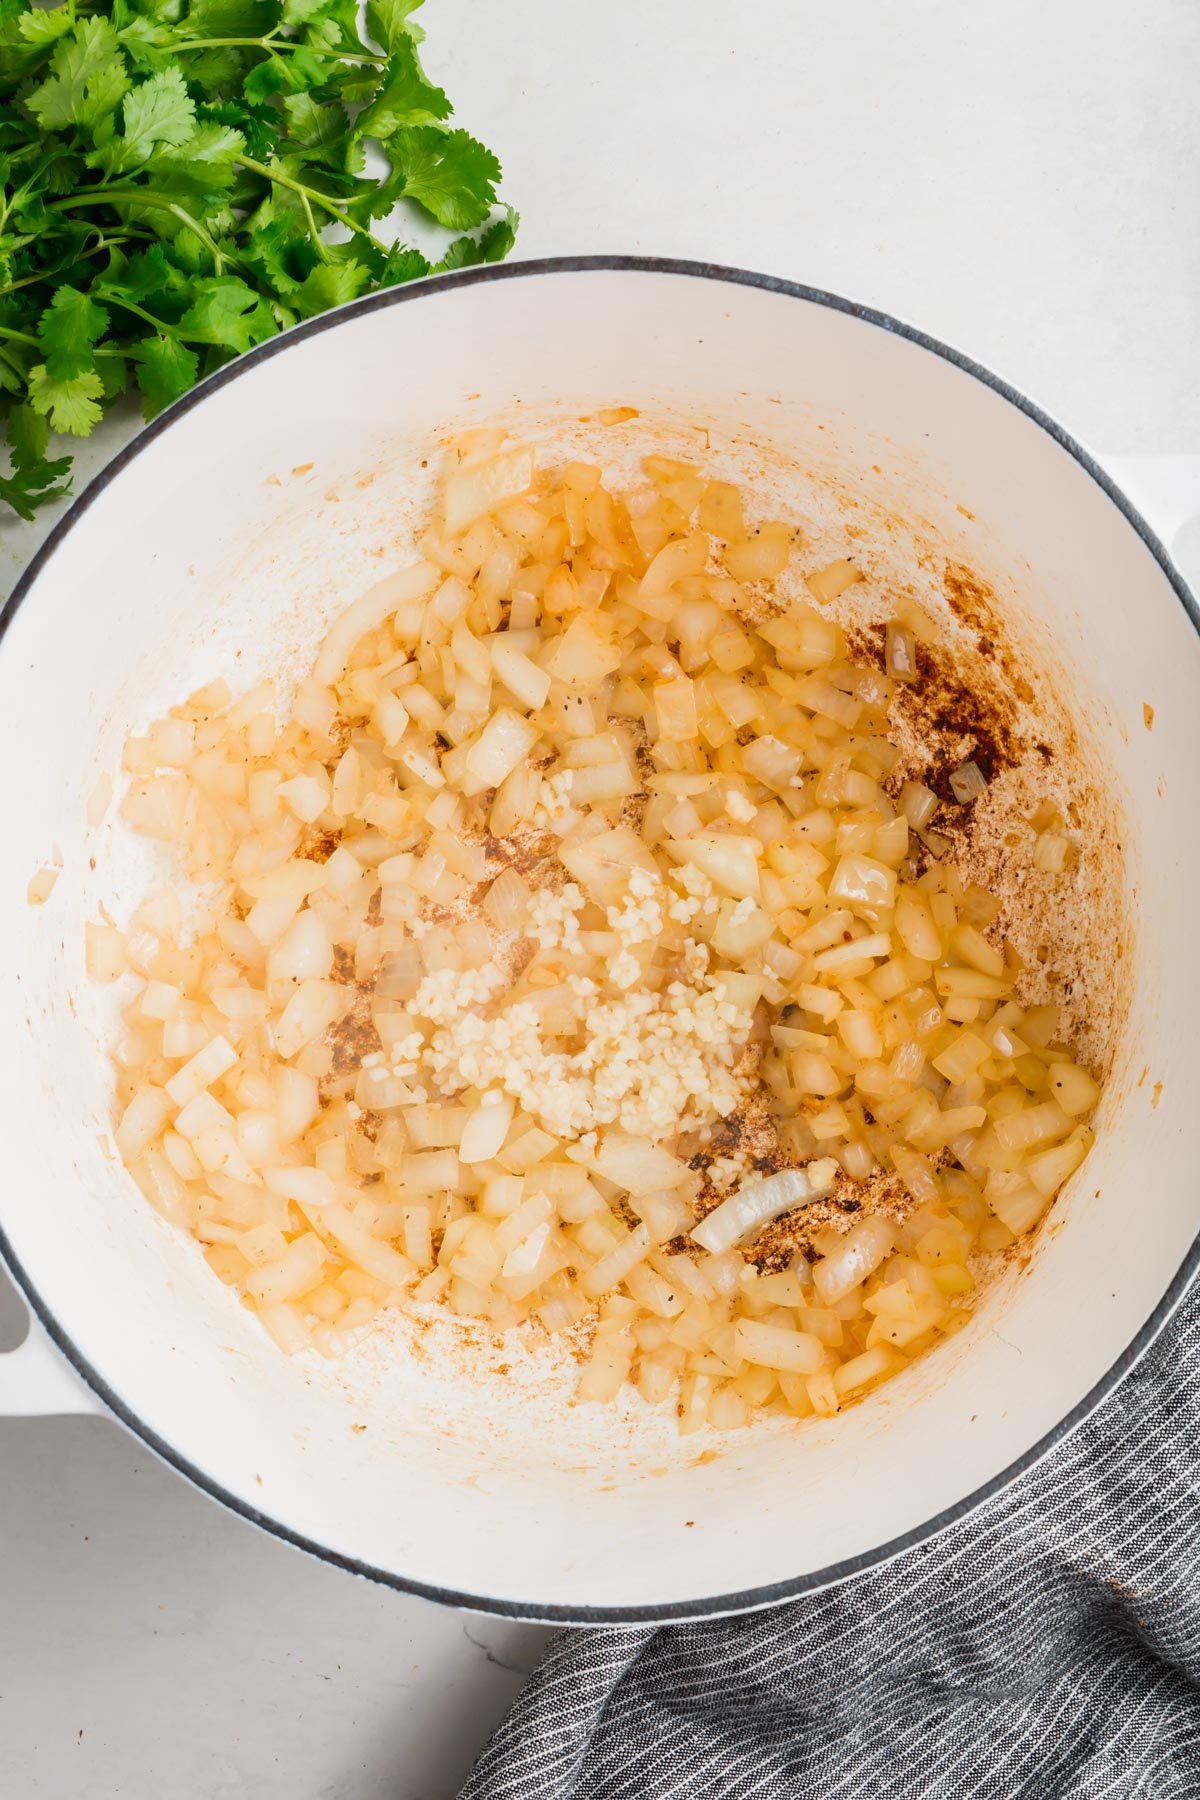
(756, 1203)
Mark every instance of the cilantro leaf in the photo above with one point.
(329, 284)
(32, 484)
(34, 478)
(88, 78)
(257, 125)
(406, 97)
(158, 111)
(265, 80)
(28, 436)
(70, 405)
(403, 264)
(492, 245)
(230, 18)
(449, 173)
(280, 253)
(311, 123)
(148, 45)
(205, 165)
(146, 273)
(45, 26)
(69, 328)
(164, 369)
(299, 12)
(224, 311)
(388, 22)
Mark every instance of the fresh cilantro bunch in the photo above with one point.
(182, 181)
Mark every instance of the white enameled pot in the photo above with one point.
(222, 541)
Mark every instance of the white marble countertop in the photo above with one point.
(1017, 180)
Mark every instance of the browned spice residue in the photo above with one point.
(880, 1193)
(318, 846)
(1156, 1094)
(977, 607)
(1147, 715)
(354, 1035)
(951, 715)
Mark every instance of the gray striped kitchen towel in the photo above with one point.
(1047, 1646)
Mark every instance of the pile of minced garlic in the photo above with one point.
(569, 932)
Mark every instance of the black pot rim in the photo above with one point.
(774, 1593)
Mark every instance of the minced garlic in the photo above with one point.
(653, 1063)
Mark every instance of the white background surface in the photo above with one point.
(1022, 184)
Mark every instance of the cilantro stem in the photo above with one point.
(21, 374)
(51, 276)
(272, 44)
(19, 337)
(318, 243)
(103, 196)
(112, 299)
(308, 193)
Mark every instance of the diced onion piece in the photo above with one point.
(755, 1203)
(201, 1070)
(523, 1259)
(311, 1010)
(519, 673)
(370, 1255)
(607, 1368)
(685, 556)
(730, 861)
(142, 1121)
(474, 489)
(762, 556)
(827, 583)
(505, 741)
(858, 1255)
(636, 1164)
(1052, 852)
(41, 886)
(918, 804)
(773, 1347)
(1073, 1088)
(915, 925)
(305, 796)
(968, 783)
(486, 1129)
(772, 762)
(304, 952)
(861, 1371)
(307, 1187)
(900, 656)
(105, 952)
(1015, 1201)
(864, 949)
(862, 882)
(616, 1265)
(1048, 1169)
(297, 1270)
(423, 767)
(584, 654)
